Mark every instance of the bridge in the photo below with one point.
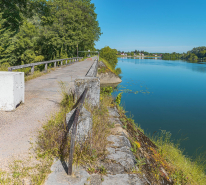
(42, 97)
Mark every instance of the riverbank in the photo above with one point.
(117, 151)
(156, 161)
(106, 75)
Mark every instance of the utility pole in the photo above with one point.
(77, 50)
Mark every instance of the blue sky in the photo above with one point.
(151, 25)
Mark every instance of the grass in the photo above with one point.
(183, 169)
(22, 172)
(160, 152)
(88, 152)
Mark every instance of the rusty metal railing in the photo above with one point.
(74, 130)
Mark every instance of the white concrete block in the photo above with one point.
(12, 89)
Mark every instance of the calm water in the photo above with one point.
(167, 95)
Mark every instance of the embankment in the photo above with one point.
(106, 75)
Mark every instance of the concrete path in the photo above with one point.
(42, 98)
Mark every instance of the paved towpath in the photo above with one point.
(42, 98)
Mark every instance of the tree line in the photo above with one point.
(137, 52)
(197, 53)
(37, 30)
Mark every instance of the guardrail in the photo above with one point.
(44, 62)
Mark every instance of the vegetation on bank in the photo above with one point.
(41, 30)
(160, 152)
(157, 158)
(109, 58)
(198, 53)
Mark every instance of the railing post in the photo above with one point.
(61, 62)
(55, 64)
(66, 62)
(32, 69)
(46, 67)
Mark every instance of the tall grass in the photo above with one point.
(180, 168)
(184, 170)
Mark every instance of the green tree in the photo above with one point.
(71, 23)
(46, 29)
(110, 55)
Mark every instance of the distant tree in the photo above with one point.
(202, 54)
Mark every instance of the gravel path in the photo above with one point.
(42, 98)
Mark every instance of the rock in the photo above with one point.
(115, 121)
(113, 168)
(113, 112)
(122, 179)
(109, 78)
(60, 177)
(95, 179)
(101, 64)
(119, 141)
(119, 151)
(84, 125)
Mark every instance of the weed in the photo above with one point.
(118, 98)
(112, 125)
(141, 162)
(102, 170)
(91, 170)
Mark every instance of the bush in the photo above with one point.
(110, 55)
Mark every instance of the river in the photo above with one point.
(167, 95)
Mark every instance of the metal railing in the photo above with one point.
(75, 59)
(74, 130)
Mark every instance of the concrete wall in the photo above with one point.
(93, 94)
(92, 82)
(93, 70)
(12, 90)
(92, 98)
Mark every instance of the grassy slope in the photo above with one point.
(108, 65)
(180, 168)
